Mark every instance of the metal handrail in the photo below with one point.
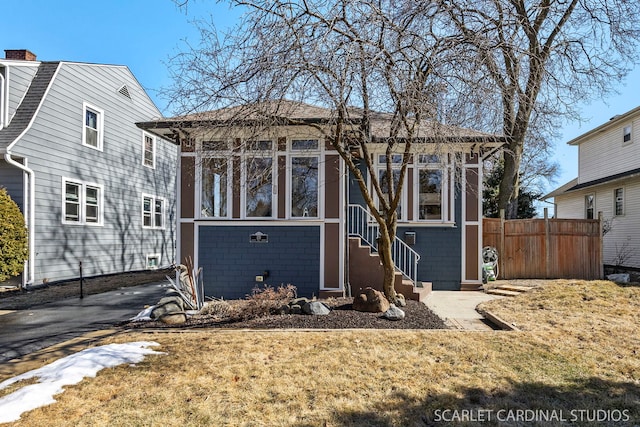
(363, 225)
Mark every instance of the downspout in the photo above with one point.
(31, 221)
(3, 96)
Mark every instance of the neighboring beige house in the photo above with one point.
(608, 182)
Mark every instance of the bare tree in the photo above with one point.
(356, 59)
(525, 65)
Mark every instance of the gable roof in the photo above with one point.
(29, 105)
(294, 113)
(613, 121)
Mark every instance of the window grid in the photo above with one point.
(93, 123)
(619, 201)
(152, 212)
(149, 151)
(82, 203)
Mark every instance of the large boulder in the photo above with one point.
(371, 301)
(315, 308)
(173, 318)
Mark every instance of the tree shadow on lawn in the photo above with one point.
(591, 401)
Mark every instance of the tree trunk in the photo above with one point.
(384, 252)
(510, 184)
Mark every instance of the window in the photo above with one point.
(431, 182)
(304, 187)
(92, 135)
(396, 160)
(589, 206)
(148, 150)
(153, 261)
(618, 196)
(214, 195)
(626, 134)
(82, 203)
(152, 212)
(259, 187)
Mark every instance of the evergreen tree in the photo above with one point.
(13, 238)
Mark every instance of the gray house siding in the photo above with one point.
(19, 78)
(230, 261)
(53, 146)
(12, 179)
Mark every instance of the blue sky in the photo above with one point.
(144, 34)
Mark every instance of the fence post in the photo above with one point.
(601, 257)
(501, 254)
(547, 243)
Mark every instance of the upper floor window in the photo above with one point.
(589, 206)
(431, 183)
(82, 203)
(626, 134)
(618, 196)
(389, 185)
(93, 129)
(259, 187)
(304, 178)
(148, 150)
(215, 186)
(152, 212)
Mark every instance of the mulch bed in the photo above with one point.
(342, 316)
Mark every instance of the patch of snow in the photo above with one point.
(67, 371)
(144, 315)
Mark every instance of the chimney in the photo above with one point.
(19, 54)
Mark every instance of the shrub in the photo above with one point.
(217, 308)
(13, 238)
(265, 301)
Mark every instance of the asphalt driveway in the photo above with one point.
(25, 331)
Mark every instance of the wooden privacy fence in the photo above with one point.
(546, 248)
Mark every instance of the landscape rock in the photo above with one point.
(285, 309)
(172, 299)
(315, 308)
(173, 318)
(165, 309)
(295, 309)
(619, 278)
(401, 301)
(371, 301)
(394, 313)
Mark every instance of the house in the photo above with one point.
(608, 182)
(93, 187)
(275, 204)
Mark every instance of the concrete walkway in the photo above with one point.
(458, 308)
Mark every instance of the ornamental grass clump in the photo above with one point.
(13, 238)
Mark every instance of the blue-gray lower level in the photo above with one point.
(440, 260)
(230, 260)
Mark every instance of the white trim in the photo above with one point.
(82, 202)
(154, 148)
(154, 199)
(99, 126)
(154, 255)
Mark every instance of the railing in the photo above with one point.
(362, 224)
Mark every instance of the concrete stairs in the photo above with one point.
(508, 290)
(365, 270)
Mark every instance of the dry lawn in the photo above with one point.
(579, 349)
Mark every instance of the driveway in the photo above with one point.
(25, 331)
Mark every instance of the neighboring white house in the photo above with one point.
(608, 182)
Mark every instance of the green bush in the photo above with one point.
(13, 238)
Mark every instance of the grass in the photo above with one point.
(579, 349)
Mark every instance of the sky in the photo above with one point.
(52, 378)
(145, 34)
